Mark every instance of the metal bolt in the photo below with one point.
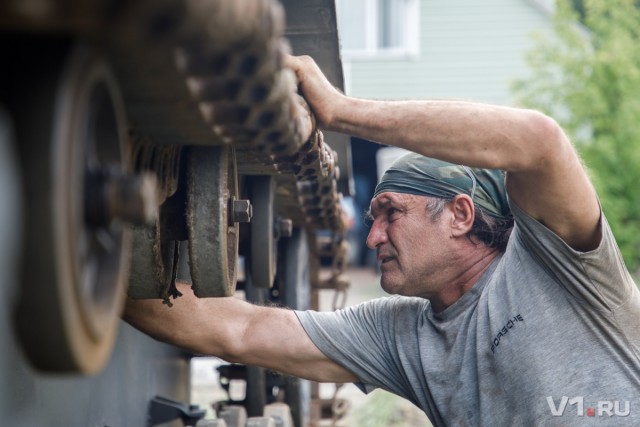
(284, 227)
(130, 198)
(242, 211)
(133, 198)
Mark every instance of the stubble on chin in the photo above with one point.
(389, 285)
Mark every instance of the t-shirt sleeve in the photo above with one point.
(598, 277)
(370, 339)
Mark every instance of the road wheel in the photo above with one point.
(264, 245)
(71, 132)
(212, 220)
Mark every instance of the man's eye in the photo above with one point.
(391, 212)
(368, 219)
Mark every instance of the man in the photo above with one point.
(539, 325)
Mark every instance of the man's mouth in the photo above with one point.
(383, 259)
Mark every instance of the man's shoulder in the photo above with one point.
(393, 303)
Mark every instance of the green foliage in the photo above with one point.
(384, 409)
(588, 78)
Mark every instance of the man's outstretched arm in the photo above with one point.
(236, 331)
(544, 174)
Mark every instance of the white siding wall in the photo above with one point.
(469, 49)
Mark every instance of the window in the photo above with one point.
(378, 27)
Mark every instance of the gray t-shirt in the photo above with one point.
(548, 336)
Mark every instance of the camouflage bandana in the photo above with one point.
(416, 174)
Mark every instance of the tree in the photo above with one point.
(588, 78)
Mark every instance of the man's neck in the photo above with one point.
(459, 285)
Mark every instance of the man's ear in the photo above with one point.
(463, 215)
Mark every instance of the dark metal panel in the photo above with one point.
(312, 30)
(140, 368)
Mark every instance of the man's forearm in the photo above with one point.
(236, 331)
(461, 132)
(202, 325)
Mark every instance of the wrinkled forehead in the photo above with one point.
(388, 199)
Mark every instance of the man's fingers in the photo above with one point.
(306, 117)
(314, 87)
(293, 62)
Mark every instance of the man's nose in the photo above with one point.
(377, 234)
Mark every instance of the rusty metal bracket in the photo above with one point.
(162, 410)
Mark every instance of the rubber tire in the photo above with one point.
(67, 317)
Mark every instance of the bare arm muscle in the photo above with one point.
(236, 331)
(275, 339)
(545, 175)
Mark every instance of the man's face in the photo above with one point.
(413, 249)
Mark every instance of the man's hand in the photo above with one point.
(303, 113)
(319, 93)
